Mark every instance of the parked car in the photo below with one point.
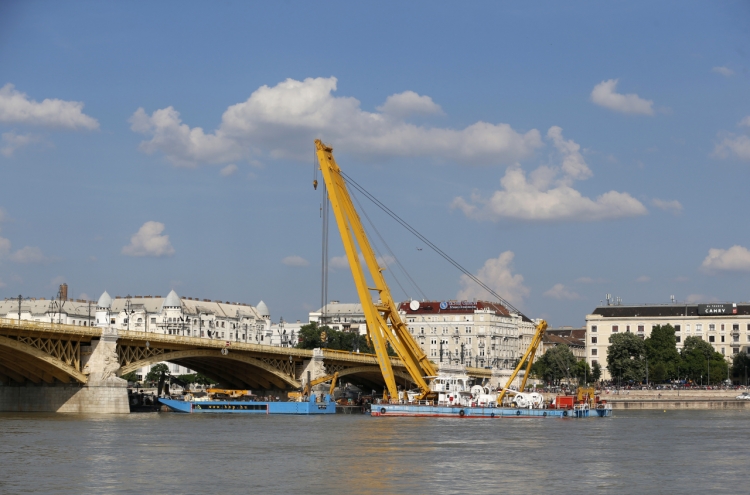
(743, 396)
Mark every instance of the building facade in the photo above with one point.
(725, 326)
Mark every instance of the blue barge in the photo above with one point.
(311, 406)
(421, 410)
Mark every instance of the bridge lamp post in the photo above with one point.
(128, 312)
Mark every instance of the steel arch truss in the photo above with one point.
(40, 360)
(258, 372)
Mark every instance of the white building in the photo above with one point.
(725, 326)
(477, 333)
(172, 315)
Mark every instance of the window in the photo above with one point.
(687, 328)
(677, 328)
(640, 328)
(735, 351)
(736, 327)
(699, 327)
(722, 338)
(627, 328)
(421, 330)
(722, 327)
(711, 338)
(593, 340)
(468, 329)
(469, 340)
(615, 329)
(677, 339)
(593, 352)
(722, 351)
(748, 327)
(593, 362)
(593, 328)
(711, 327)
(153, 321)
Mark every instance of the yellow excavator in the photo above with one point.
(308, 386)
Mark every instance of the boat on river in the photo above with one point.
(313, 405)
(457, 399)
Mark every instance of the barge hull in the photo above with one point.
(403, 410)
(251, 407)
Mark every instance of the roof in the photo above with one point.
(263, 309)
(331, 309)
(453, 307)
(654, 310)
(105, 300)
(172, 300)
(553, 339)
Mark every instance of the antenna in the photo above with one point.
(608, 296)
(672, 298)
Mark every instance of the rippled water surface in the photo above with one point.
(633, 452)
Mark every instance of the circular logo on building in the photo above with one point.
(443, 305)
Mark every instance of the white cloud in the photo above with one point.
(547, 194)
(409, 103)
(3, 284)
(3, 215)
(228, 170)
(12, 142)
(342, 262)
(573, 164)
(700, 298)
(283, 120)
(148, 241)
(673, 206)
(734, 259)
(83, 296)
(724, 71)
(497, 273)
(643, 279)
(605, 96)
(16, 108)
(295, 261)
(559, 291)
(738, 146)
(744, 122)
(29, 254)
(4, 247)
(338, 263)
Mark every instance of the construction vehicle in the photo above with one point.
(384, 325)
(527, 360)
(307, 389)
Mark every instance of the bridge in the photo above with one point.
(36, 353)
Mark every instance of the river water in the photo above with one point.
(632, 452)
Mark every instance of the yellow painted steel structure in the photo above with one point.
(528, 359)
(383, 311)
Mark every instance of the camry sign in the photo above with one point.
(717, 309)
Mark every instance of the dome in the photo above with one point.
(172, 301)
(105, 301)
(263, 310)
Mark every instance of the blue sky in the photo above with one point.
(558, 151)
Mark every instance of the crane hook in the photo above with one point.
(315, 184)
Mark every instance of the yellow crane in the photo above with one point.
(527, 360)
(384, 325)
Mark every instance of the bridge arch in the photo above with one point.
(20, 361)
(199, 354)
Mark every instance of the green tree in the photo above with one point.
(197, 378)
(625, 357)
(582, 371)
(697, 356)
(131, 377)
(155, 373)
(596, 371)
(662, 354)
(741, 368)
(311, 337)
(555, 364)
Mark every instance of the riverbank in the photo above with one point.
(675, 399)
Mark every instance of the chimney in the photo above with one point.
(64, 292)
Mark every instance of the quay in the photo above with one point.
(674, 399)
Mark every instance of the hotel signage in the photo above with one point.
(717, 309)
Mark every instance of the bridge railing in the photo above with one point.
(41, 327)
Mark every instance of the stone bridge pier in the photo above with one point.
(101, 393)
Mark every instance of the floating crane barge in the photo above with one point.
(434, 395)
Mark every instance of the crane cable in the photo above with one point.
(393, 255)
(429, 243)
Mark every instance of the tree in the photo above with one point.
(697, 356)
(555, 364)
(740, 368)
(661, 351)
(625, 357)
(197, 378)
(131, 377)
(583, 372)
(155, 373)
(311, 337)
(596, 371)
